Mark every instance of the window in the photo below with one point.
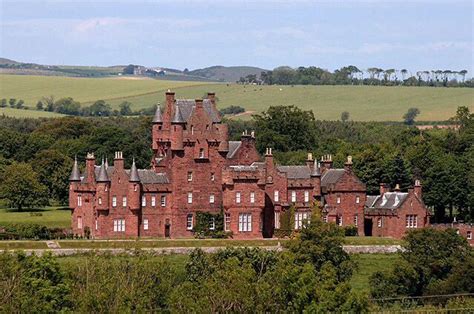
(124, 201)
(96, 224)
(163, 200)
(201, 153)
(213, 177)
(245, 222)
(252, 197)
(114, 201)
(119, 225)
(100, 200)
(79, 222)
(469, 235)
(339, 220)
(153, 201)
(299, 218)
(190, 197)
(325, 218)
(306, 196)
(143, 201)
(192, 130)
(211, 198)
(293, 196)
(276, 196)
(411, 221)
(212, 223)
(356, 220)
(379, 222)
(190, 176)
(189, 222)
(338, 200)
(79, 200)
(227, 222)
(277, 220)
(145, 224)
(135, 188)
(357, 199)
(237, 197)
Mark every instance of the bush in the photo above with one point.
(351, 231)
(33, 232)
(232, 110)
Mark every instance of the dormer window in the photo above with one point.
(397, 200)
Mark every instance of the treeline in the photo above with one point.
(42, 152)
(352, 75)
(67, 105)
(312, 275)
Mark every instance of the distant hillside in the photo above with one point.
(226, 74)
(7, 61)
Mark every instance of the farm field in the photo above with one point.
(22, 113)
(52, 217)
(364, 103)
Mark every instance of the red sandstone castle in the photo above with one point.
(195, 168)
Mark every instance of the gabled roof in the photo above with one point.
(233, 148)
(331, 176)
(389, 200)
(187, 106)
(296, 172)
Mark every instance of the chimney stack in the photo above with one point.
(169, 108)
(384, 188)
(348, 164)
(90, 167)
(269, 165)
(418, 188)
(309, 161)
(326, 163)
(397, 188)
(118, 161)
(199, 103)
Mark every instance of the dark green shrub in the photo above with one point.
(350, 231)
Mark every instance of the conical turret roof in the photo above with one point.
(103, 177)
(75, 175)
(178, 118)
(158, 118)
(134, 173)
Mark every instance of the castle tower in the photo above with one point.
(102, 188)
(74, 180)
(134, 188)
(177, 125)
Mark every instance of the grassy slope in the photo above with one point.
(50, 217)
(21, 113)
(369, 264)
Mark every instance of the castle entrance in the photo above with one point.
(167, 228)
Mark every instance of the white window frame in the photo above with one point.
(212, 223)
(190, 197)
(379, 222)
(99, 200)
(227, 222)
(79, 200)
(163, 200)
(96, 224)
(277, 220)
(119, 225)
(145, 224)
(245, 222)
(213, 176)
(357, 199)
(79, 222)
(411, 221)
(293, 196)
(153, 201)
(189, 221)
(356, 220)
(338, 199)
(124, 201)
(237, 197)
(143, 201)
(212, 199)
(306, 196)
(339, 220)
(201, 153)
(114, 201)
(469, 235)
(299, 219)
(276, 196)
(252, 197)
(190, 176)
(325, 218)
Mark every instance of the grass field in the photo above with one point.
(364, 103)
(21, 113)
(50, 217)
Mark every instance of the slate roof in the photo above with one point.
(258, 164)
(75, 174)
(296, 172)
(233, 147)
(158, 116)
(178, 117)
(146, 176)
(331, 176)
(389, 200)
(134, 177)
(187, 106)
(102, 177)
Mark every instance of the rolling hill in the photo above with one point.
(226, 74)
(364, 103)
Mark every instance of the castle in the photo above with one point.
(195, 168)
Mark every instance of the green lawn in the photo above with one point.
(369, 264)
(50, 217)
(364, 103)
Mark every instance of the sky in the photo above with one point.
(416, 35)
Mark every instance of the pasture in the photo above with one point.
(30, 113)
(364, 103)
(52, 217)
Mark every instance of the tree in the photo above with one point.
(67, 105)
(404, 73)
(125, 108)
(12, 102)
(21, 187)
(463, 74)
(344, 116)
(39, 105)
(19, 104)
(48, 102)
(410, 115)
(99, 108)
